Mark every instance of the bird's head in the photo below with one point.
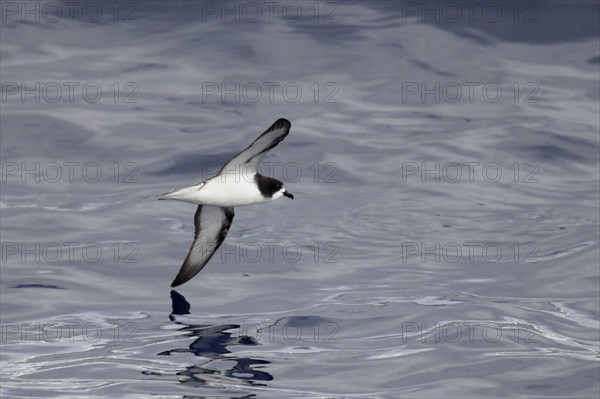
(271, 188)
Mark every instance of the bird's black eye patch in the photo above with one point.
(267, 186)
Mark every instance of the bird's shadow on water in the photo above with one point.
(212, 342)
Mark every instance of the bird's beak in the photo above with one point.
(288, 194)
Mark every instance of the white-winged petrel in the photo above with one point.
(237, 183)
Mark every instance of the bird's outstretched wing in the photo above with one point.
(255, 151)
(212, 224)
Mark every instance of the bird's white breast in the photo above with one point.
(227, 190)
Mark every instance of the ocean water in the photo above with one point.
(443, 239)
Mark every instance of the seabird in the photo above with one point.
(237, 183)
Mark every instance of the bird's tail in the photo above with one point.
(167, 195)
(180, 194)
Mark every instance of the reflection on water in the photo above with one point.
(213, 342)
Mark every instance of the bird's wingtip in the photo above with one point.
(283, 122)
(179, 280)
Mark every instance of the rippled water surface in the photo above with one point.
(443, 240)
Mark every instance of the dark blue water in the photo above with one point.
(443, 239)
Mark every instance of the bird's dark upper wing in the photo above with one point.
(212, 224)
(255, 151)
